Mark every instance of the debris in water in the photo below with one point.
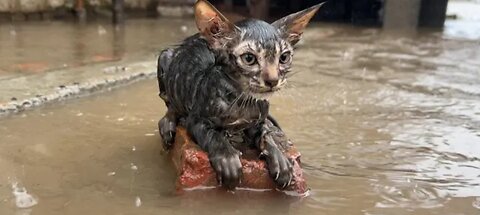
(134, 148)
(115, 69)
(133, 166)
(149, 134)
(111, 173)
(22, 198)
(138, 201)
(120, 119)
(79, 114)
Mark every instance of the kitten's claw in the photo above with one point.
(228, 167)
(288, 183)
(280, 168)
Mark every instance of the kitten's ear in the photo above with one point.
(292, 26)
(211, 23)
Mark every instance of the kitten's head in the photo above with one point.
(259, 53)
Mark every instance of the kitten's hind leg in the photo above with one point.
(167, 125)
(163, 64)
(167, 129)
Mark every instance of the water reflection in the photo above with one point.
(36, 47)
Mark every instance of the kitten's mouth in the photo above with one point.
(262, 88)
(262, 96)
(262, 92)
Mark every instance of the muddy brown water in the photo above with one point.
(387, 124)
(39, 47)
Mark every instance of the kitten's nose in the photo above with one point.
(271, 83)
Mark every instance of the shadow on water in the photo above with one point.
(386, 124)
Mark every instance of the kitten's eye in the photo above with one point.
(285, 57)
(249, 59)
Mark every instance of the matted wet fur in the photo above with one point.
(217, 84)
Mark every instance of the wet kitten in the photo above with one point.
(216, 84)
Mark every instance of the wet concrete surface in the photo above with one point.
(386, 124)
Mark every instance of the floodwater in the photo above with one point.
(37, 47)
(386, 123)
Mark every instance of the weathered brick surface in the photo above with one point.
(194, 170)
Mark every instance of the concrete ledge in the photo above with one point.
(30, 6)
(174, 11)
(24, 92)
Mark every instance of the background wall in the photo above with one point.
(28, 6)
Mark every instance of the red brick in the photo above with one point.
(194, 170)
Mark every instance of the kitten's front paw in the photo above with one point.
(279, 167)
(226, 163)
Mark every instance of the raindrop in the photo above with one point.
(184, 28)
(364, 71)
(101, 30)
(120, 119)
(138, 201)
(79, 114)
(134, 148)
(149, 134)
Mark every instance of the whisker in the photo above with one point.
(241, 104)
(235, 101)
(290, 74)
